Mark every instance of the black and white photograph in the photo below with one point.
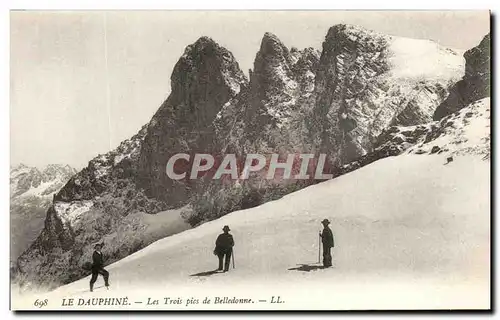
(223, 160)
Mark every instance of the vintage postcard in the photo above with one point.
(250, 160)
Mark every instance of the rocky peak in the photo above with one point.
(367, 81)
(307, 62)
(478, 60)
(272, 51)
(346, 77)
(345, 49)
(353, 34)
(204, 79)
(206, 65)
(281, 81)
(277, 69)
(474, 85)
(272, 69)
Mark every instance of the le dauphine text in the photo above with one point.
(177, 301)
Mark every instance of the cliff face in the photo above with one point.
(474, 85)
(203, 80)
(367, 81)
(270, 114)
(282, 86)
(338, 102)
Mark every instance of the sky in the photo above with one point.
(81, 82)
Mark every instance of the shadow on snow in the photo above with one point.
(307, 267)
(205, 273)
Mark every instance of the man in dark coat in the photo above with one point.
(224, 247)
(328, 244)
(98, 267)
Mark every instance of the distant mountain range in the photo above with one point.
(31, 193)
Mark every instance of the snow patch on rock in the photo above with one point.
(464, 132)
(70, 212)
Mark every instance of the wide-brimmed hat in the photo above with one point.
(325, 221)
(98, 244)
(226, 228)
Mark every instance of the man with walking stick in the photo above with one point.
(328, 243)
(224, 248)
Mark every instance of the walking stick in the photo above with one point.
(233, 258)
(319, 248)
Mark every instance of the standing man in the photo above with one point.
(328, 244)
(224, 247)
(98, 267)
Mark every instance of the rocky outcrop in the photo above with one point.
(367, 81)
(103, 170)
(474, 85)
(465, 132)
(270, 114)
(282, 86)
(203, 80)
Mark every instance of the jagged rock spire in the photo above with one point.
(474, 85)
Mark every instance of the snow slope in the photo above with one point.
(410, 232)
(466, 131)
